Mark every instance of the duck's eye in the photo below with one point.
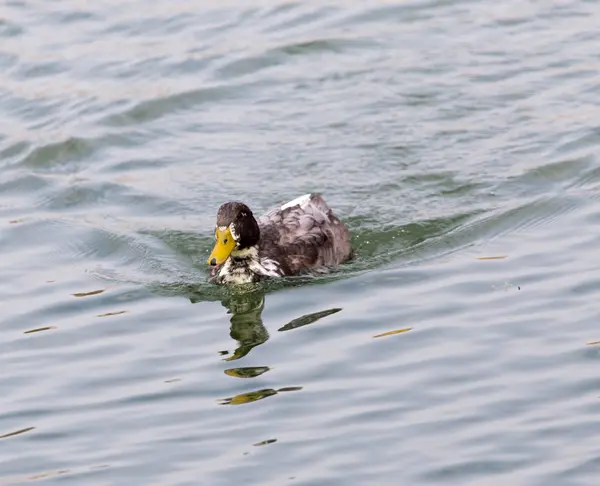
(225, 241)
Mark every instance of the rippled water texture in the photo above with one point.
(458, 140)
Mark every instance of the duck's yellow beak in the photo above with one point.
(223, 247)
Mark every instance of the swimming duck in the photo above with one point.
(301, 236)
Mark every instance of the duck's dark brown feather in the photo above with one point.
(304, 237)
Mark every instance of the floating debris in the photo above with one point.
(500, 257)
(39, 329)
(108, 314)
(16, 432)
(87, 294)
(391, 333)
(264, 442)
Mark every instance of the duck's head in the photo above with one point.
(236, 230)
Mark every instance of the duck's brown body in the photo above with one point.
(301, 236)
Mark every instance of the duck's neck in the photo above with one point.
(240, 267)
(250, 253)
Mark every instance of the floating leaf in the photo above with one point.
(500, 257)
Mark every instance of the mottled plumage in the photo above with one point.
(301, 236)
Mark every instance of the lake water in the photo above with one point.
(458, 140)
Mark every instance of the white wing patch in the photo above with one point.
(299, 201)
(268, 267)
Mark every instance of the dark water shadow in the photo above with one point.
(307, 319)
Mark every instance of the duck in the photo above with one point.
(298, 237)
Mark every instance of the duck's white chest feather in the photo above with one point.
(248, 269)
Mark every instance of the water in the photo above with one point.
(458, 140)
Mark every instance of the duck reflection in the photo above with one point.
(246, 322)
(254, 396)
(246, 305)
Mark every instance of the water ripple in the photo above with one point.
(459, 142)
